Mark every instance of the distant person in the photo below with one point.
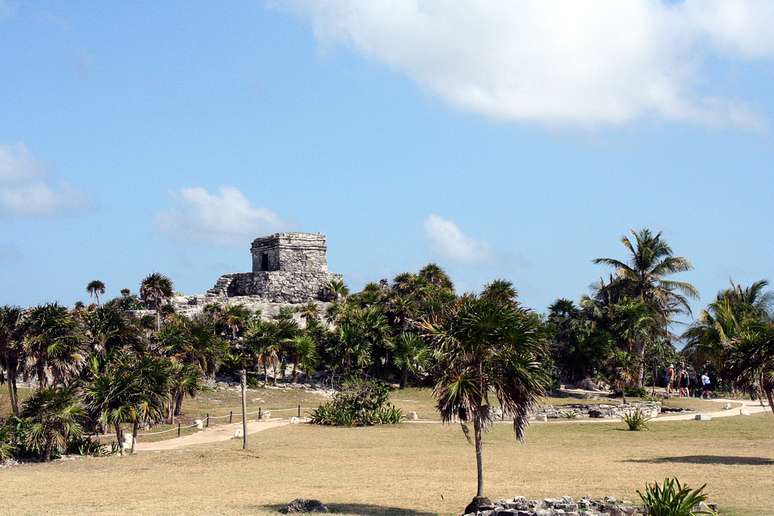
(706, 385)
(670, 378)
(683, 382)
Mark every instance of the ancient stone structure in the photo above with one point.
(287, 268)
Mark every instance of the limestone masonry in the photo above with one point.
(288, 268)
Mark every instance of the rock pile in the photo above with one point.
(565, 506)
(596, 410)
(304, 505)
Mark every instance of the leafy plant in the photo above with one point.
(569, 414)
(673, 499)
(636, 420)
(84, 445)
(360, 402)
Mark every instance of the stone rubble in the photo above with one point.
(567, 506)
(595, 410)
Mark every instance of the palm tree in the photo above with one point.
(11, 350)
(412, 356)
(55, 416)
(303, 351)
(184, 380)
(486, 348)
(338, 289)
(131, 390)
(53, 343)
(155, 289)
(95, 288)
(644, 277)
(733, 318)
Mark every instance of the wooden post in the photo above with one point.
(299, 410)
(260, 415)
(230, 416)
(207, 422)
(178, 429)
(244, 409)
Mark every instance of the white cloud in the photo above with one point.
(568, 62)
(26, 189)
(448, 241)
(222, 218)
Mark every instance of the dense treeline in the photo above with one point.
(103, 367)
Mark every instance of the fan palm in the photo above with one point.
(53, 343)
(54, 415)
(412, 356)
(12, 350)
(486, 348)
(155, 289)
(95, 288)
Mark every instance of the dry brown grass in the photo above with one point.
(408, 469)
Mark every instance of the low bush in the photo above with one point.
(636, 420)
(360, 402)
(673, 499)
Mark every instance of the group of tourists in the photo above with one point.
(682, 381)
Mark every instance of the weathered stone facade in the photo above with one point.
(287, 268)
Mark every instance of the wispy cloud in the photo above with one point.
(27, 190)
(448, 241)
(567, 62)
(225, 217)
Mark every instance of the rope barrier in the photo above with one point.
(204, 418)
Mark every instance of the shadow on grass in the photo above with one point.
(360, 508)
(729, 460)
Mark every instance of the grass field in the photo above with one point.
(407, 469)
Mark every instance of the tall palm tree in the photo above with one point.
(12, 350)
(95, 288)
(155, 289)
(55, 417)
(643, 277)
(487, 349)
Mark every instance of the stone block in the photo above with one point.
(703, 417)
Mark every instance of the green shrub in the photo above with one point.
(569, 414)
(85, 445)
(360, 402)
(636, 420)
(673, 499)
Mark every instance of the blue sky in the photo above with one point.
(496, 141)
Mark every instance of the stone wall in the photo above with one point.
(566, 506)
(292, 252)
(596, 410)
(275, 286)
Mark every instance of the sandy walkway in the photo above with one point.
(210, 435)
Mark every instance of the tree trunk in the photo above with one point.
(40, 372)
(120, 438)
(48, 450)
(158, 318)
(171, 409)
(404, 377)
(265, 374)
(179, 403)
(11, 374)
(479, 458)
(641, 367)
(295, 372)
(134, 433)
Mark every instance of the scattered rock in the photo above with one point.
(744, 412)
(703, 417)
(587, 384)
(238, 433)
(295, 420)
(412, 416)
(303, 505)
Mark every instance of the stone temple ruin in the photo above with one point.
(288, 268)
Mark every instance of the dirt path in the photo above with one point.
(752, 407)
(210, 435)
